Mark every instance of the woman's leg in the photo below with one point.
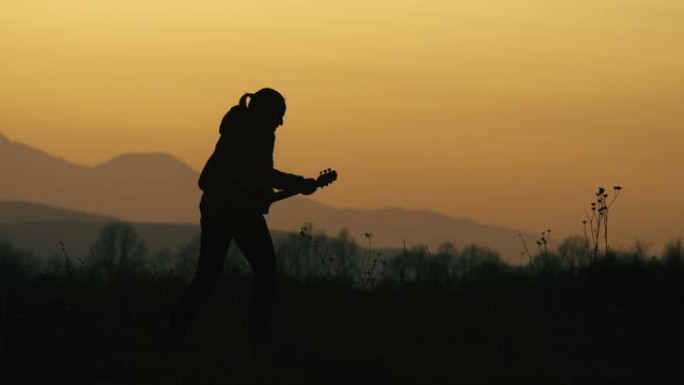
(215, 240)
(254, 240)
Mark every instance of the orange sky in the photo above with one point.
(507, 112)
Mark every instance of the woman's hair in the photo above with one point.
(262, 100)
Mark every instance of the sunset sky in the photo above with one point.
(506, 112)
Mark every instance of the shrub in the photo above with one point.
(118, 251)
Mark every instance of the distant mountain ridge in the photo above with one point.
(26, 212)
(150, 161)
(134, 187)
(159, 188)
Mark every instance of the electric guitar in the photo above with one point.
(238, 198)
(325, 178)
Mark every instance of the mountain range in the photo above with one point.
(159, 188)
(134, 187)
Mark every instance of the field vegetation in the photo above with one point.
(584, 313)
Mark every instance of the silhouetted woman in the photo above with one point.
(237, 183)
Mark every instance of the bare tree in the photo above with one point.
(118, 251)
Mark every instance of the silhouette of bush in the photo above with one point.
(308, 256)
(118, 252)
(417, 264)
(13, 265)
(573, 253)
(477, 261)
(673, 256)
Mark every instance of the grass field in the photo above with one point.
(342, 317)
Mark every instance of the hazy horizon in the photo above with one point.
(507, 113)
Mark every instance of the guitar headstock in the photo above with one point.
(326, 177)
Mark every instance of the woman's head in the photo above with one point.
(267, 106)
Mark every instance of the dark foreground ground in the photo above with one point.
(611, 324)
